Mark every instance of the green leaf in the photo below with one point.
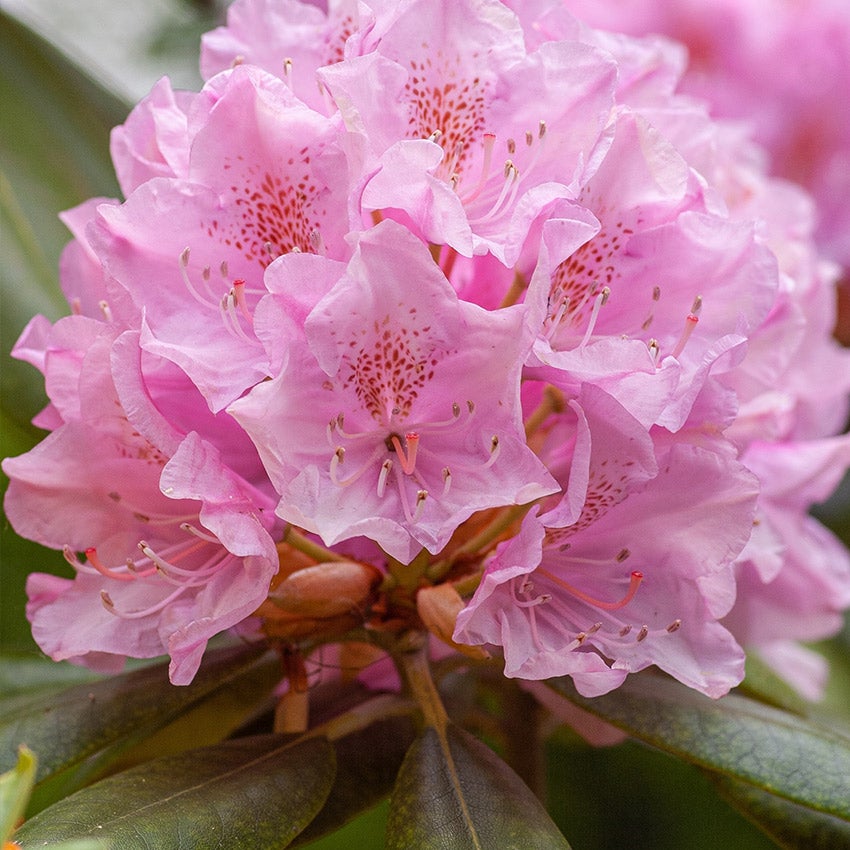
(791, 826)
(251, 793)
(15, 788)
(782, 754)
(104, 717)
(367, 764)
(454, 793)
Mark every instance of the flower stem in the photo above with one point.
(414, 667)
(502, 521)
(316, 551)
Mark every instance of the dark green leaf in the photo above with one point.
(64, 729)
(763, 684)
(780, 753)
(788, 824)
(367, 764)
(454, 793)
(251, 793)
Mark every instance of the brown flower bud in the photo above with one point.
(326, 590)
(438, 608)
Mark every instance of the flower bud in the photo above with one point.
(326, 590)
(438, 608)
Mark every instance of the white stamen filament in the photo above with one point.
(598, 303)
(386, 468)
(488, 143)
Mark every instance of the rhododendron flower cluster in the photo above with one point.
(417, 295)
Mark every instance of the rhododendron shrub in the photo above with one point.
(448, 336)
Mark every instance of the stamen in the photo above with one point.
(674, 626)
(421, 496)
(447, 480)
(634, 582)
(652, 345)
(184, 266)
(386, 467)
(317, 243)
(339, 456)
(185, 526)
(146, 612)
(641, 635)
(511, 175)
(488, 143)
(104, 308)
(600, 300)
(691, 321)
(287, 71)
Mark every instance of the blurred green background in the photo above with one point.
(60, 97)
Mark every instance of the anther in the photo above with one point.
(622, 555)
(447, 480)
(511, 146)
(106, 599)
(529, 138)
(104, 309)
(641, 635)
(421, 496)
(386, 468)
(674, 626)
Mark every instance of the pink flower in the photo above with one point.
(396, 414)
(644, 305)
(174, 525)
(265, 176)
(287, 38)
(640, 577)
(471, 136)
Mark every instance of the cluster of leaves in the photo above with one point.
(132, 761)
(257, 790)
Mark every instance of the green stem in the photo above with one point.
(503, 521)
(316, 551)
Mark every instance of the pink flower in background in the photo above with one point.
(290, 39)
(739, 62)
